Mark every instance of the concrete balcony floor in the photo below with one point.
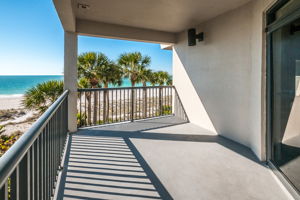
(162, 159)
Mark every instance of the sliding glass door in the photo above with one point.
(284, 90)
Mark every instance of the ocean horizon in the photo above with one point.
(16, 85)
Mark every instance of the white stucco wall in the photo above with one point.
(220, 80)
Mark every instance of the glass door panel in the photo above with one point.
(285, 132)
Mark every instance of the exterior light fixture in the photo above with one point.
(83, 6)
(192, 36)
(295, 28)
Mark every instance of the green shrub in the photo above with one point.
(7, 141)
(167, 110)
(81, 119)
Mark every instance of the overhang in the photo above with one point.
(142, 20)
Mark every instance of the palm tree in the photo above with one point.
(133, 64)
(170, 80)
(110, 73)
(145, 76)
(162, 77)
(89, 64)
(87, 67)
(41, 96)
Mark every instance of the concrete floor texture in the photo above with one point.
(163, 159)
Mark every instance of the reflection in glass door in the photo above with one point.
(285, 99)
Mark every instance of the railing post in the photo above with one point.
(132, 104)
(70, 78)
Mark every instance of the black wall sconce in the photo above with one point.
(295, 28)
(192, 36)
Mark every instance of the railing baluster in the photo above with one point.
(164, 101)
(112, 107)
(128, 105)
(36, 167)
(52, 156)
(116, 108)
(120, 105)
(41, 166)
(104, 106)
(32, 167)
(49, 161)
(4, 191)
(124, 105)
(108, 106)
(139, 104)
(132, 104)
(85, 116)
(24, 178)
(80, 113)
(14, 184)
(44, 164)
(99, 108)
(136, 103)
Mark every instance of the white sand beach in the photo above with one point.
(13, 116)
(10, 101)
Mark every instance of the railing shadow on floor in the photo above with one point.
(106, 168)
(103, 163)
(146, 129)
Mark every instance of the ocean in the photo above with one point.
(17, 85)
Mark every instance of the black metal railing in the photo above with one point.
(98, 106)
(29, 169)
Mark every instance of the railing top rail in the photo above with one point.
(121, 88)
(14, 155)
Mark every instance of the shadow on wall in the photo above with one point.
(219, 75)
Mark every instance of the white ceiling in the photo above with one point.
(163, 15)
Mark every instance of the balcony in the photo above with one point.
(157, 156)
(163, 158)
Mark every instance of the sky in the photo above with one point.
(32, 41)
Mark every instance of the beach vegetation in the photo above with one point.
(7, 141)
(42, 95)
(81, 119)
(2, 128)
(166, 110)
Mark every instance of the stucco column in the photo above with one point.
(70, 78)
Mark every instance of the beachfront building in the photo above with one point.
(228, 129)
